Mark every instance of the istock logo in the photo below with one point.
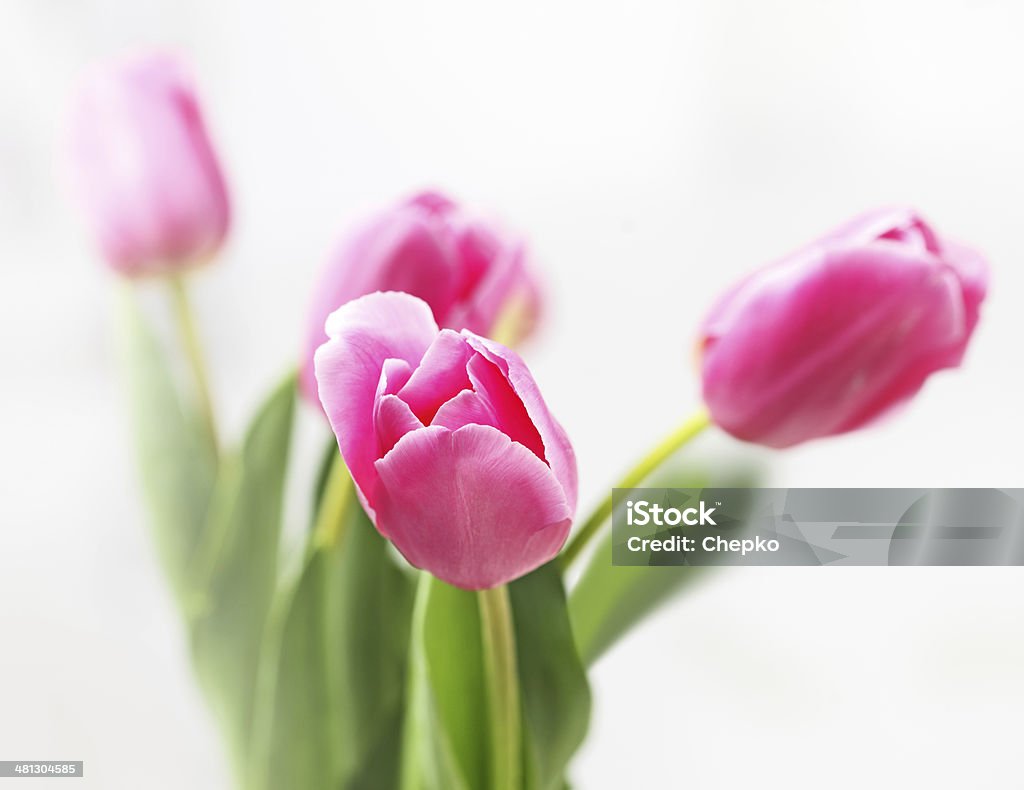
(641, 513)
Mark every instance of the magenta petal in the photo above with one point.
(393, 419)
(466, 408)
(393, 376)
(502, 401)
(557, 448)
(470, 506)
(364, 334)
(824, 347)
(439, 377)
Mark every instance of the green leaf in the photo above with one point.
(237, 571)
(331, 691)
(177, 462)
(609, 600)
(371, 605)
(553, 681)
(294, 725)
(445, 737)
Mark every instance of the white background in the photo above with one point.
(652, 151)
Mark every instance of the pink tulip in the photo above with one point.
(454, 453)
(144, 167)
(835, 335)
(472, 276)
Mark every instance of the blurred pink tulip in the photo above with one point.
(452, 448)
(472, 276)
(833, 336)
(144, 168)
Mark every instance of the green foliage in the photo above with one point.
(331, 690)
(446, 735)
(553, 681)
(237, 567)
(177, 461)
(609, 600)
(350, 675)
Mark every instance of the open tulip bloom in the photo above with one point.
(454, 453)
(426, 639)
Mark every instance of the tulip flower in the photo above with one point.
(832, 337)
(145, 169)
(472, 276)
(453, 451)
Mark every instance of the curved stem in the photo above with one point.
(194, 353)
(680, 436)
(502, 680)
(330, 515)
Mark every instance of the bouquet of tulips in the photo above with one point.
(426, 637)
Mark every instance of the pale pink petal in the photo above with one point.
(364, 334)
(403, 250)
(144, 167)
(433, 201)
(897, 223)
(471, 274)
(972, 270)
(506, 283)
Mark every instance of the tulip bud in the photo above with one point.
(471, 275)
(144, 168)
(833, 336)
(452, 449)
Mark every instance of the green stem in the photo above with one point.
(680, 436)
(499, 649)
(417, 719)
(330, 516)
(194, 353)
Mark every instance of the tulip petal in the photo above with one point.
(466, 408)
(432, 201)
(825, 349)
(507, 407)
(363, 335)
(404, 250)
(896, 223)
(503, 282)
(470, 506)
(470, 274)
(392, 419)
(145, 167)
(440, 376)
(973, 272)
(557, 449)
